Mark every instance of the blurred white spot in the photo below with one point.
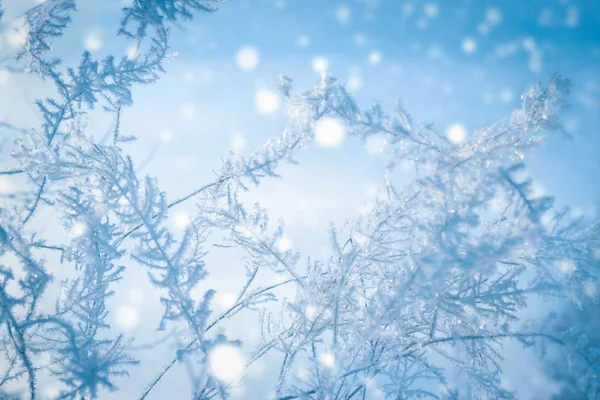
(374, 57)
(327, 359)
(78, 229)
(360, 239)
(266, 101)
(571, 124)
(132, 52)
(535, 62)
(4, 77)
(435, 52)
(284, 244)
(182, 220)
(51, 392)
(456, 133)
(431, 10)
(226, 300)
(19, 31)
(497, 204)
(226, 363)
(529, 43)
(92, 42)
(375, 144)
(127, 317)
(483, 28)
(123, 202)
(5, 185)
(329, 132)
(303, 42)
(136, 296)
(247, 58)
(188, 111)
(354, 82)
(493, 15)
(597, 254)
(572, 19)
(189, 77)
(360, 39)
(302, 205)
(546, 18)
(166, 135)
(310, 312)
(237, 142)
(407, 9)
(566, 266)
(342, 14)
(422, 24)
(506, 95)
(469, 45)
(590, 288)
(320, 64)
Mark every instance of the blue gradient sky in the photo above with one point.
(449, 61)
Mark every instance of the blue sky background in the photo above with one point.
(449, 61)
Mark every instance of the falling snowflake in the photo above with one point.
(5, 185)
(469, 45)
(247, 58)
(302, 205)
(329, 132)
(182, 220)
(92, 42)
(375, 144)
(132, 52)
(126, 317)
(431, 10)
(360, 39)
(18, 32)
(572, 19)
(375, 57)
(78, 229)
(237, 142)
(354, 82)
(166, 135)
(188, 111)
(320, 64)
(284, 244)
(493, 16)
(342, 14)
(327, 359)
(267, 101)
(303, 42)
(567, 266)
(226, 363)
(226, 300)
(456, 133)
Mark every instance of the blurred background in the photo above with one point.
(458, 64)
